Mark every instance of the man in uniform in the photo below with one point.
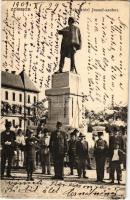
(58, 148)
(71, 42)
(100, 153)
(7, 141)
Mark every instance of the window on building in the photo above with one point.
(13, 96)
(13, 122)
(6, 95)
(20, 110)
(28, 122)
(29, 111)
(20, 97)
(34, 111)
(65, 108)
(28, 98)
(72, 107)
(14, 109)
(34, 99)
(20, 123)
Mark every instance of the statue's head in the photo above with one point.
(71, 20)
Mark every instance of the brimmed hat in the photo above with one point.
(114, 129)
(81, 135)
(45, 130)
(8, 123)
(59, 123)
(71, 19)
(100, 133)
(74, 132)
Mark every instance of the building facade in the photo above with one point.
(18, 95)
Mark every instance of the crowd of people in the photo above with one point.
(28, 150)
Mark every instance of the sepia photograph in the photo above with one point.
(64, 99)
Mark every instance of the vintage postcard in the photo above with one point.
(64, 99)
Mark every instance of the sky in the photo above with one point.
(30, 41)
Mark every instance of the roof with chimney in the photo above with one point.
(17, 81)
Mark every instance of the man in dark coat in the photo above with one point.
(72, 151)
(58, 148)
(8, 142)
(100, 153)
(30, 148)
(71, 42)
(82, 154)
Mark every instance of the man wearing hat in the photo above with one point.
(8, 142)
(72, 151)
(82, 155)
(58, 148)
(71, 42)
(100, 153)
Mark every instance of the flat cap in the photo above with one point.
(100, 133)
(59, 123)
(8, 123)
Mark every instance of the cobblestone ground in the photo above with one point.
(72, 187)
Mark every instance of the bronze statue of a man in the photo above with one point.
(71, 42)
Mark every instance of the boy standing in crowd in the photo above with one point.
(45, 152)
(31, 145)
(20, 143)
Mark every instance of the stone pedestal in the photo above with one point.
(65, 100)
